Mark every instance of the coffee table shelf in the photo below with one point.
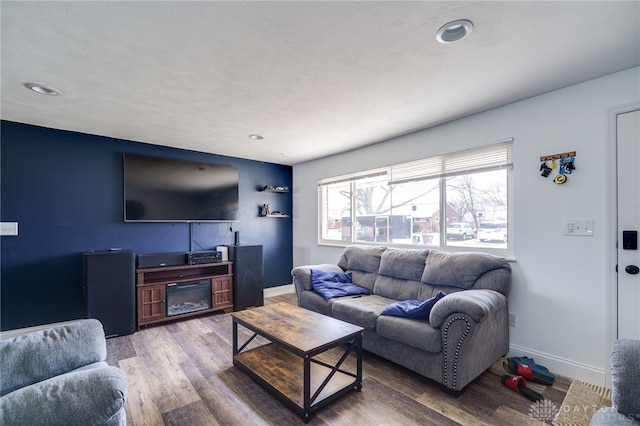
(282, 371)
(290, 365)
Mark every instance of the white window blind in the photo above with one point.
(486, 158)
(353, 176)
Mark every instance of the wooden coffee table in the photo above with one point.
(286, 366)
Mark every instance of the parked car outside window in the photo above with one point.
(460, 231)
(492, 231)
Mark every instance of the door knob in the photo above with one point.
(632, 269)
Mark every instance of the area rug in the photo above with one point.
(580, 404)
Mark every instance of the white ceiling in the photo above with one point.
(314, 78)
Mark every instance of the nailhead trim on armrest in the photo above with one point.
(445, 338)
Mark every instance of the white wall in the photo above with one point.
(560, 284)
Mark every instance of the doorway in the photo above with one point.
(627, 216)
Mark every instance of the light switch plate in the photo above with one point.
(8, 228)
(578, 227)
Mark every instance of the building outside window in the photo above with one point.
(458, 201)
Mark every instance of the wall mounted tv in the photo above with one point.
(168, 190)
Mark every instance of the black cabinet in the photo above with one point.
(109, 287)
(248, 274)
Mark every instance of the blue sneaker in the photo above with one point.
(539, 369)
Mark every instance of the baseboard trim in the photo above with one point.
(563, 366)
(279, 291)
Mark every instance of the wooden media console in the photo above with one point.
(154, 285)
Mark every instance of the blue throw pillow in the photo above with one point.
(319, 275)
(330, 284)
(416, 309)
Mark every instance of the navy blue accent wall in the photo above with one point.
(65, 190)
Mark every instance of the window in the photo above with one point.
(445, 201)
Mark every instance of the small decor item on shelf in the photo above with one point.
(265, 210)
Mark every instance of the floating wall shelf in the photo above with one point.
(270, 188)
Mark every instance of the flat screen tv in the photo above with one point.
(168, 190)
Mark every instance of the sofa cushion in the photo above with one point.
(334, 285)
(313, 301)
(37, 356)
(363, 263)
(397, 288)
(417, 309)
(360, 310)
(86, 397)
(400, 273)
(459, 269)
(403, 264)
(361, 258)
(427, 291)
(364, 279)
(416, 333)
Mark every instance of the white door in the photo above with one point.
(628, 177)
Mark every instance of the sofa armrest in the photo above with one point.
(477, 304)
(302, 275)
(625, 377)
(87, 397)
(43, 354)
(475, 332)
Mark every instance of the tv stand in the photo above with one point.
(152, 284)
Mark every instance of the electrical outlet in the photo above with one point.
(513, 320)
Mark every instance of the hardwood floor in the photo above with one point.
(181, 373)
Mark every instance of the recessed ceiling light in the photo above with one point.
(43, 90)
(454, 31)
(255, 137)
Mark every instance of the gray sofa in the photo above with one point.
(58, 376)
(625, 386)
(466, 331)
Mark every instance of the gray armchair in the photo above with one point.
(58, 376)
(625, 386)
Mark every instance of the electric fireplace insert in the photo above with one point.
(190, 296)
